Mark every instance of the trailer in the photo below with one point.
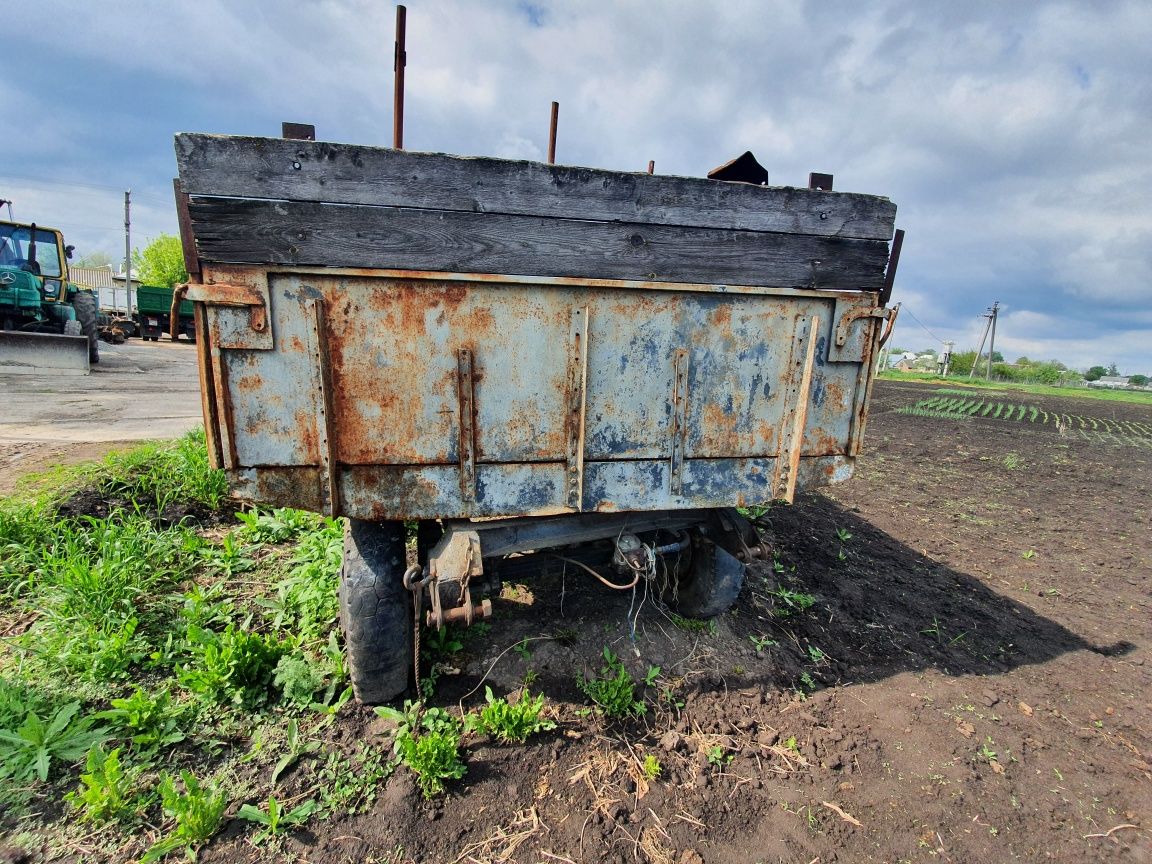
(522, 357)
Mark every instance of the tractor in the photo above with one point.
(35, 294)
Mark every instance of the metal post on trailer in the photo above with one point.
(400, 60)
(552, 133)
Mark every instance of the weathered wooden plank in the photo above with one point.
(230, 230)
(346, 174)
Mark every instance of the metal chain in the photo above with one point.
(416, 586)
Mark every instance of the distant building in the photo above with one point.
(108, 287)
(1112, 382)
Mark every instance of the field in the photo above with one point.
(946, 659)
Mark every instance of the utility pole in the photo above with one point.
(992, 343)
(127, 252)
(980, 350)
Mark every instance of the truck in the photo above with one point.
(153, 314)
(522, 358)
(47, 322)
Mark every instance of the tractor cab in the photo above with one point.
(33, 278)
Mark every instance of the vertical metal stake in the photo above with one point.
(467, 393)
(552, 133)
(796, 418)
(679, 420)
(577, 408)
(400, 60)
(329, 473)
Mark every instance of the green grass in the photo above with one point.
(161, 473)
(166, 664)
(138, 640)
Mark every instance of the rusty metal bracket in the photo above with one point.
(454, 560)
(854, 315)
(679, 420)
(174, 311)
(892, 313)
(849, 343)
(254, 296)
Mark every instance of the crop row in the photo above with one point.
(957, 407)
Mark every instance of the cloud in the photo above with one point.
(1013, 137)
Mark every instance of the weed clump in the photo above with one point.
(510, 723)
(613, 690)
(427, 741)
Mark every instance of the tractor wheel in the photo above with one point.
(85, 306)
(710, 583)
(73, 328)
(375, 610)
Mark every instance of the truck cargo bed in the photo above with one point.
(395, 335)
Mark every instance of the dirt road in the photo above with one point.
(139, 390)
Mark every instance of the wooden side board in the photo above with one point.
(317, 171)
(234, 230)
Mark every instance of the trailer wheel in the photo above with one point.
(710, 583)
(85, 306)
(375, 610)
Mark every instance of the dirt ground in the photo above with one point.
(139, 390)
(972, 684)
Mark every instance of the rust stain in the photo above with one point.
(305, 428)
(381, 365)
(482, 322)
(822, 444)
(834, 390)
(720, 433)
(250, 383)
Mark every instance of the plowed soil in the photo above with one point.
(971, 683)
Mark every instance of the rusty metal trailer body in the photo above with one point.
(399, 336)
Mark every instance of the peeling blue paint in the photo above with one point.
(818, 391)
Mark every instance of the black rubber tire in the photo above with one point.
(85, 306)
(73, 328)
(712, 582)
(376, 610)
(428, 534)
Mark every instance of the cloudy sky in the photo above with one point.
(1014, 137)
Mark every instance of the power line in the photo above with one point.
(904, 308)
(46, 182)
(73, 184)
